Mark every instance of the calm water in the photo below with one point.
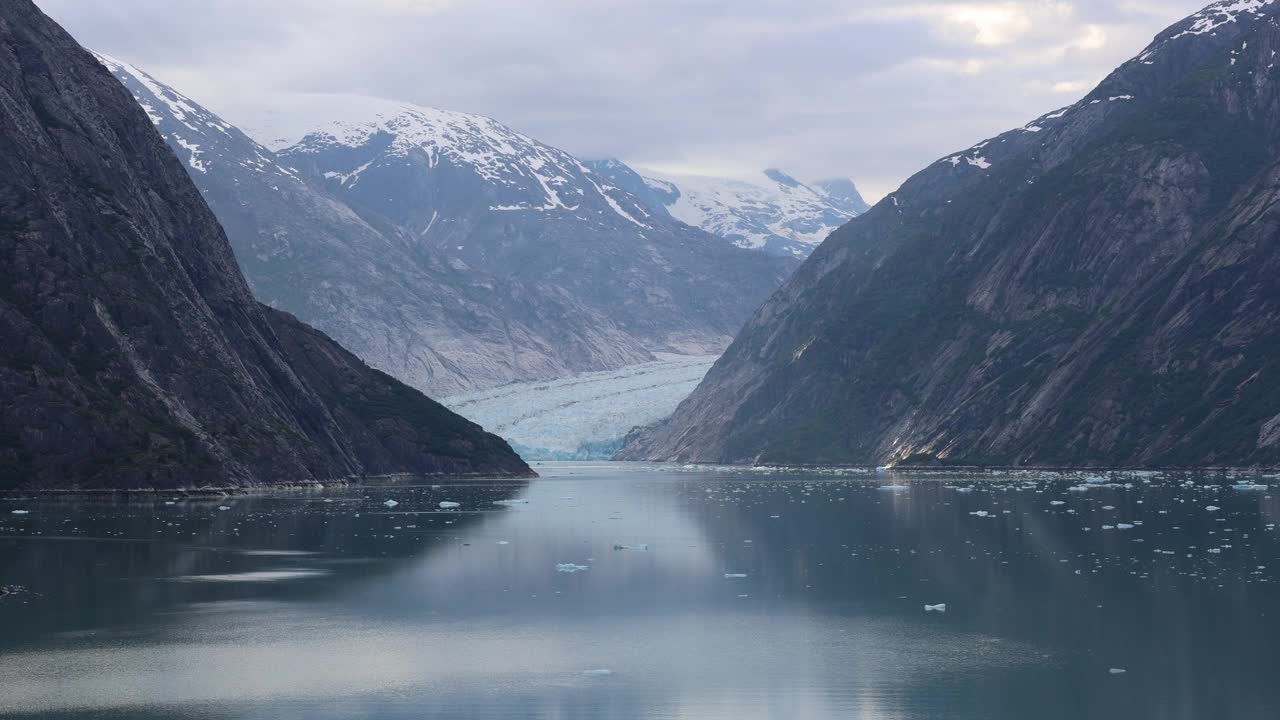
(332, 605)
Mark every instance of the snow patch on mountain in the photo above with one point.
(772, 212)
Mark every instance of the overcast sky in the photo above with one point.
(869, 89)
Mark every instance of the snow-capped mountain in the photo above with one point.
(451, 251)
(773, 212)
(479, 196)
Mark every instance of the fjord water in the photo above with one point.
(629, 591)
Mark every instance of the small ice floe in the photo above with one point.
(940, 607)
(892, 488)
(1078, 488)
(169, 502)
(735, 575)
(510, 502)
(223, 507)
(1124, 526)
(1116, 671)
(391, 503)
(449, 504)
(1212, 508)
(570, 567)
(980, 513)
(504, 542)
(599, 672)
(1057, 502)
(1248, 487)
(20, 512)
(1095, 480)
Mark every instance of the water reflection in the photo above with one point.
(336, 606)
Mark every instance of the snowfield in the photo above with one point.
(585, 416)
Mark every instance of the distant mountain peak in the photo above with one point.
(772, 212)
(781, 178)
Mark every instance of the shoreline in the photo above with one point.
(212, 491)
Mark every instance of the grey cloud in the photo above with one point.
(873, 90)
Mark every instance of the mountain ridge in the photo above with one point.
(1092, 288)
(774, 213)
(422, 289)
(138, 355)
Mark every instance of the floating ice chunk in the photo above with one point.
(940, 607)
(1095, 480)
(1108, 507)
(20, 512)
(391, 503)
(504, 542)
(1078, 488)
(1248, 486)
(599, 672)
(223, 507)
(1116, 671)
(570, 567)
(449, 504)
(510, 502)
(892, 487)
(735, 575)
(980, 513)
(1212, 508)
(1057, 502)
(1124, 526)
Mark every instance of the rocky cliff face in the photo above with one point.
(134, 354)
(1101, 286)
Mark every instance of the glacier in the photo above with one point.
(584, 416)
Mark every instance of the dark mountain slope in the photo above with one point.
(1101, 286)
(134, 354)
(437, 325)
